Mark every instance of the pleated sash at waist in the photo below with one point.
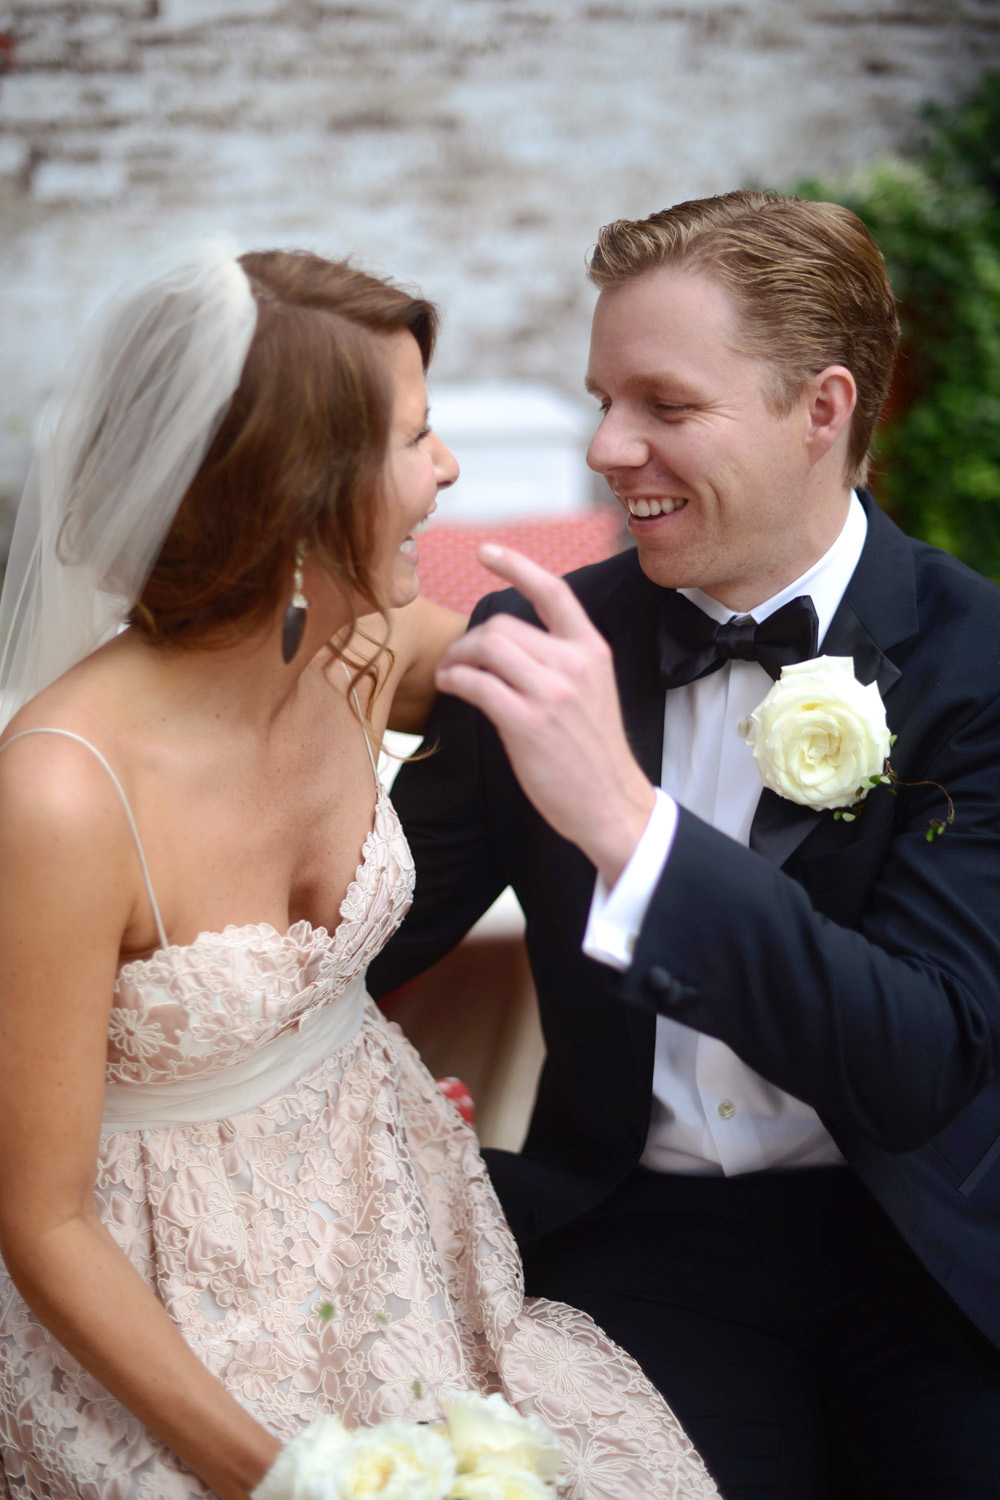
(268, 1071)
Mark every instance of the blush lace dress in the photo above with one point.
(315, 1216)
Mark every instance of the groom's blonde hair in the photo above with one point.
(807, 280)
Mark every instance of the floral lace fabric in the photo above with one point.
(338, 1248)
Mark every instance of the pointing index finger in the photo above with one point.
(553, 600)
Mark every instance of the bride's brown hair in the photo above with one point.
(297, 456)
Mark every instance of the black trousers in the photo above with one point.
(796, 1336)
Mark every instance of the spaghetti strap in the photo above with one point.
(361, 719)
(69, 735)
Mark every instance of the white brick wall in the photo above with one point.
(471, 146)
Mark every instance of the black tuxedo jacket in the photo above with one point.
(855, 965)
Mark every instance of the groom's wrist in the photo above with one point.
(618, 912)
(616, 829)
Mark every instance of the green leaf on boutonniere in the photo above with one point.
(888, 778)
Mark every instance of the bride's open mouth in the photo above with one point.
(409, 545)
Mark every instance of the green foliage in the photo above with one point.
(936, 220)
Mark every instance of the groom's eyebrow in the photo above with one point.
(656, 380)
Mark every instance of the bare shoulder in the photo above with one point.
(411, 633)
(65, 838)
(422, 632)
(424, 629)
(52, 771)
(49, 751)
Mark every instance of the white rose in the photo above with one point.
(304, 1462)
(819, 734)
(497, 1480)
(394, 1461)
(487, 1426)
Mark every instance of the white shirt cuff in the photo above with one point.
(616, 915)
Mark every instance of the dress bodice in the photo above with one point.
(187, 1011)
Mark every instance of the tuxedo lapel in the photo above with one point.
(847, 636)
(878, 611)
(627, 619)
(779, 826)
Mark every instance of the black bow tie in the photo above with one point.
(692, 644)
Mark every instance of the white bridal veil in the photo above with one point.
(121, 440)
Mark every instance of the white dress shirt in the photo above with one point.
(711, 1113)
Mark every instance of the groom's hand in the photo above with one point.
(552, 697)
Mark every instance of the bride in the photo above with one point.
(232, 1198)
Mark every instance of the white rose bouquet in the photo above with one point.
(484, 1450)
(820, 736)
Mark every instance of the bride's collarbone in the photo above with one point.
(245, 860)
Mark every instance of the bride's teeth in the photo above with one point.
(409, 545)
(421, 526)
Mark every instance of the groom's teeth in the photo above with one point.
(654, 507)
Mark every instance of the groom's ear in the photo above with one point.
(832, 396)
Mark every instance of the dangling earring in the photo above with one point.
(294, 626)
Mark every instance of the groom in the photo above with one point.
(765, 1152)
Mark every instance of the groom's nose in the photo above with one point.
(617, 444)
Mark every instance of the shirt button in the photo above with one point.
(727, 1109)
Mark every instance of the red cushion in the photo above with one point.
(451, 574)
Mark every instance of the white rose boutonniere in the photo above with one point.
(820, 736)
